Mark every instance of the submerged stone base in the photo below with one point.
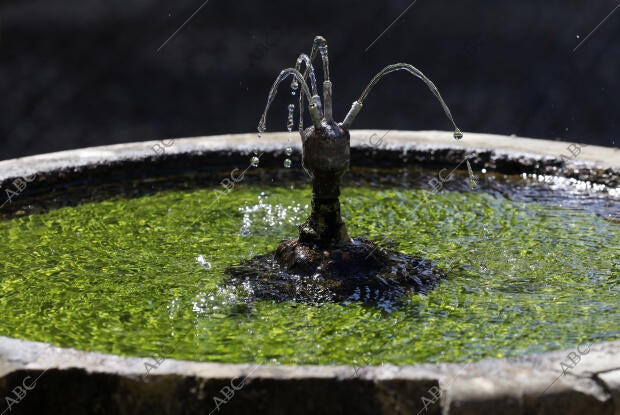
(359, 271)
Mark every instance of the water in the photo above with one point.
(203, 262)
(472, 179)
(309, 72)
(289, 121)
(262, 124)
(294, 86)
(533, 271)
(289, 125)
(418, 74)
(299, 79)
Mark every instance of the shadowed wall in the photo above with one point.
(77, 73)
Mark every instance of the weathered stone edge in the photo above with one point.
(529, 384)
(514, 148)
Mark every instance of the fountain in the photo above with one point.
(324, 263)
(125, 283)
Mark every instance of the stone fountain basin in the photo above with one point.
(40, 378)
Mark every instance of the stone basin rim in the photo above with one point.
(518, 384)
(515, 148)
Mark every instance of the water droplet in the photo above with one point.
(203, 262)
(254, 161)
(458, 134)
(290, 122)
(287, 163)
(255, 151)
(472, 179)
(288, 151)
(577, 36)
(294, 86)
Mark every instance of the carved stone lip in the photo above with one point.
(497, 151)
(75, 382)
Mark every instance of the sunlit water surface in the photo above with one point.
(532, 264)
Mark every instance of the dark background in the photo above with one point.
(77, 73)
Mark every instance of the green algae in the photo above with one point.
(121, 276)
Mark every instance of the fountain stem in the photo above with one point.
(326, 156)
(325, 226)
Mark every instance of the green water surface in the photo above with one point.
(121, 276)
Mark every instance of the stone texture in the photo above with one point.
(75, 382)
(611, 381)
(395, 144)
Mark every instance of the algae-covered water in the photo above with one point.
(144, 277)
